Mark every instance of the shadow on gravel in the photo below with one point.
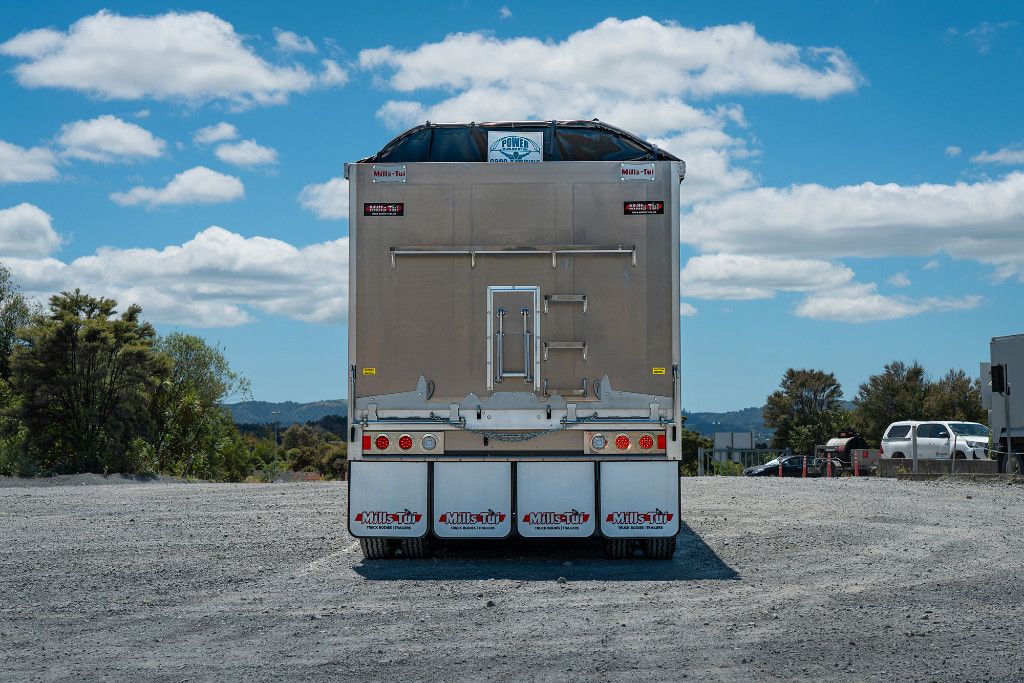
(547, 560)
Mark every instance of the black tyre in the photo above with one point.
(660, 548)
(898, 456)
(415, 548)
(375, 548)
(959, 455)
(1012, 464)
(618, 548)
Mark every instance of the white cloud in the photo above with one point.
(289, 41)
(931, 265)
(108, 139)
(899, 280)
(246, 153)
(20, 165)
(984, 34)
(327, 200)
(862, 303)
(953, 151)
(687, 310)
(198, 185)
(332, 74)
(215, 133)
(979, 221)
(1008, 156)
(193, 57)
(26, 230)
(504, 12)
(732, 276)
(217, 279)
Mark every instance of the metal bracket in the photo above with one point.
(371, 412)
(570, 412)
(565, 299)
(453, 412)
(571, 346)
(655, 411)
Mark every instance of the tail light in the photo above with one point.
(598, 442)
(405, 442)
(622, 442)
(880, 451)
(645, 442)
(661, 442)
(429, 442)
(382, 442)
(367, 442)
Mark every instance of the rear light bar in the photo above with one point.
(403, 443)
(624, 443)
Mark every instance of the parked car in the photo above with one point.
(793, 466)
(936, 440)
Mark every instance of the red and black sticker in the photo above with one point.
(643, 208)
(383, 209)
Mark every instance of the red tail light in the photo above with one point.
(405, 442)
(622, 442)
(382, 442)
(661, 442)
(366, 442)
(645, 442)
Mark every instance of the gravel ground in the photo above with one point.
(780, 580)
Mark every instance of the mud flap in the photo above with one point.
(472, 499)
(555, 499)
(640, 499)
(387, 499)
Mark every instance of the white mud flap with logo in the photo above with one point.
(387, 499)
(555, 499)
(472, 499)
(640, 499)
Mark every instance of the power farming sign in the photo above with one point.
(504, 147)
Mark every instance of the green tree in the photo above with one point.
(193, 434)
(14, 313)
(957, 396)
(803, 409)
(897, 393)
(85, 376)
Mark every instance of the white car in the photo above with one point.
(936, 439)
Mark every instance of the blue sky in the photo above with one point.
(855, 191)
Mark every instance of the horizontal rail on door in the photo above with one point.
(570, 346)
(552, 250)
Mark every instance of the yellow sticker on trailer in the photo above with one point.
(369, 371)
(657, 371)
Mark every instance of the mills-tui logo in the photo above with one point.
(489, 518)
(655, 518)
(514, 147)
(572, 518)
(380, 518)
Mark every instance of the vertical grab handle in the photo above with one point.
(500, 339)
(527, 375)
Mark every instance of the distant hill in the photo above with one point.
(745, 420)
(262, 412)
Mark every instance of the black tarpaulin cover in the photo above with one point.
(563, 141)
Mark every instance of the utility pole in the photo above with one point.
(277, 428)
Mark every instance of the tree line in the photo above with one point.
(85, 387)
(808, 409)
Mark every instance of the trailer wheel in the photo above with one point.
(375, 548)
(618, 548)
(1011, 464)
(660, 548)
(415, 548)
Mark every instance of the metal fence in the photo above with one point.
(731, 461)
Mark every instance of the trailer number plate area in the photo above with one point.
(643, 208)
(383, 209)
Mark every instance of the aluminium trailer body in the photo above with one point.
(514, 353)
(1002, 382)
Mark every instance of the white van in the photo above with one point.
(936, 439)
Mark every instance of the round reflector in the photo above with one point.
(429, 442)
(622, 442)
(382, 442)
(645, 442)
(405, 442)
(598, 442)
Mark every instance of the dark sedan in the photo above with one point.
(793, 466)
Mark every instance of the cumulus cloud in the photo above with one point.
(504, 12)
(899, 280)
(979, 221)
(732, 276)
(107, 139)
(246, 153)
(953, 151)
(198, 185)
(1007, 156)
(20, 165)
(332, 74)
(863, 303)
(181, 56)
(26, 230)
(215, 133)
(217, 279)
(327, 200)
(289, 41)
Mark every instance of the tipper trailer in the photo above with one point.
(1002, 382)
(514, 338)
